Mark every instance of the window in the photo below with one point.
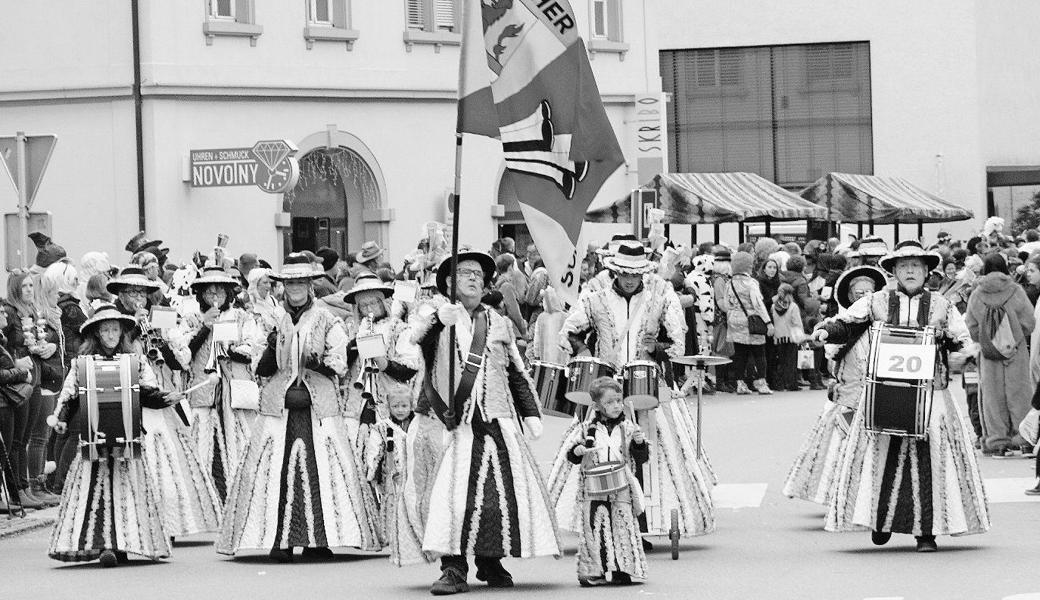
(329, 21)
(605, 28)
(788, 113)
(234, 18)
(436, 22)
(321, 12)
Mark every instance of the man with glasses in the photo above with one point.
(487, 496)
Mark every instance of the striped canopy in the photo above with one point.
(880, 200)
(689, 198)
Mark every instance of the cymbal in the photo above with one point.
(644, 402)
(581, 398)
(702, 360)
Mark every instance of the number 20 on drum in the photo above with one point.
(905, 361)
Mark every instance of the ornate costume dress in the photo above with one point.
(299, 483)
(903, 485)
(108, 504)
(607, 527)
(627, 330)
(397, 377)
(488, 498)
(220, 431)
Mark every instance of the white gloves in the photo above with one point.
(533, 426)
(971, 349)
(450, 314)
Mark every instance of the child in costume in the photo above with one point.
(608, 536)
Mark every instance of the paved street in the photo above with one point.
(766, 546)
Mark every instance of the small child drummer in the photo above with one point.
(609, 539)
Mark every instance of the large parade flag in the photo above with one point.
(526, 80)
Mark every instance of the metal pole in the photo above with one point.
(138, 118)
(895, 227)
(702, 372)
(21, 143)
(453, 292)
(920, 231)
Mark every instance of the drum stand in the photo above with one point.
(701, 362)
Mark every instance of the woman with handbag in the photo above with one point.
(299, 483)
(222, 341)
(749, 324)
(29, 334)
(16, 378)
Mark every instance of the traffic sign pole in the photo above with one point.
(23, 197)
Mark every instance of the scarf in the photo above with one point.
(295, 312)
(620, 292)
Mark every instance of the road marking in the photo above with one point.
(739, 495)
(1030, 596)
(1000, 490)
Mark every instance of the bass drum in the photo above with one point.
(550, 381)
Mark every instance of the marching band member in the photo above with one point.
(109, 507)
(299, 483)
(390, 459)
(922, 487)
(488, 498)
(221, 429)
(608, 531)
(815, 468)
(628, 318)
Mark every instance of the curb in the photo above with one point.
(13, 527)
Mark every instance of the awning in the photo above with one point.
(880, 200)
(689, 198)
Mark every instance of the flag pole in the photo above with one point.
(449, 413)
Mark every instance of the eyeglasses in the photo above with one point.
(470, 273)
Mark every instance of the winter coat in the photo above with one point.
(9, 373)
(745, 288)
(72, 318)
(769, 287)
(807, 302)
(997, 289)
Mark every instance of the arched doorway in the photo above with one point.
(338, 189)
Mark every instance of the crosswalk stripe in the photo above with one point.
(1000, 490)
(739, 495)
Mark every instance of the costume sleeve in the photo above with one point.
(69, 392)
(674, 323)
(578, 323)
(572, 457)
(957, 330)
(520, 384)
(335, 356)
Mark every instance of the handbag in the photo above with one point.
(806, 359)
(723, 346)
(245, 394)
(756, 324)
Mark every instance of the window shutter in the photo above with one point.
(243, 11)
(222, 8)
(340, 18)
(444, 14)
(414, 14)
(321, 12)
(723, 116)
(614, 20)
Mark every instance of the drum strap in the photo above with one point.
(470, 367)
(922, 309)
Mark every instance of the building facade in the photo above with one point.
(944, 94)
(366, 90)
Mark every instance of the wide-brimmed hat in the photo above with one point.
(131, 276)
(909, 249)
(615, 242)
(107, 312)
(368, 282)
(483, 258)
(139, 242)
(630, 259)
(296, 266)
(841, 287)
(214, 275)
(369, 251)
(872, 246)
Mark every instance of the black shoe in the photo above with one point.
(926, 543)
(318, 553)
(592, 581)
(647, 546)
(122, 558)
(281, 555)
(620, 578)
(108, 559)
(494, 574)
(726, 388)
(1034, 491)
(451, 582)
(880, 538)
(1027, 451)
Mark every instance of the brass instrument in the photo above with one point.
(151, 340)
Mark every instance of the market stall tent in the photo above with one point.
(879, 200)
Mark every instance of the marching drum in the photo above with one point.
(900, 370)
(641, 384)
(549, 381)
(582, 371)
(602, 479)
(110, 407)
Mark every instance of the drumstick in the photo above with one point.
(208, 381)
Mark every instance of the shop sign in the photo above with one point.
(268, 164)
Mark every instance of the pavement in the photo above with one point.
(766, 546)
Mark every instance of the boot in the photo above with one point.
(926, 543)
(281, 555)
(318, 553)
(108, 559)
(30, 501)
(742, 388)
(491, 571)
(762, 387)
(452, 581)
(43, 495)
(880, 538)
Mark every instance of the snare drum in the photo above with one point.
(641, 384)
(583, 370)
(900, 370)
(605, 478)
(549, 383)
(110, 406)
